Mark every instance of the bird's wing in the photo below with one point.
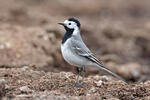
(82, 50)
(86, 54)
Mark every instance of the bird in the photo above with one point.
(76, 53)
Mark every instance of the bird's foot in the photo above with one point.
(78, 85)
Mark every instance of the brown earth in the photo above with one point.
(31, 65)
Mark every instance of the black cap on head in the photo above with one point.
(76, 21)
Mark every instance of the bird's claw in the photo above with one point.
(78, 85)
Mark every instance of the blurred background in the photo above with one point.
(117, 31)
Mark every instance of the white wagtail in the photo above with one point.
(75, 52)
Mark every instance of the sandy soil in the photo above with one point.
(31, 65)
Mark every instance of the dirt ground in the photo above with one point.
(31, 65)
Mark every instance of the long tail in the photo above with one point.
(112, 73)
(92, 58)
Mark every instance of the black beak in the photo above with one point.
(62, 24)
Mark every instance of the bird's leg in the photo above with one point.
(83, 74)
(79, 71)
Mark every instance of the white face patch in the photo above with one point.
(70, 24)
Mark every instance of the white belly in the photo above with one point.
(72, 58)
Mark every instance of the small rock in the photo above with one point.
(93, 90)
(99, 83)
(105, 78)
(2, 87)
(2, 81)
(23, 96)
(7, 87)
(25, 89)
(24, 68)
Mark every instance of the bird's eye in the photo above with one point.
(69, 23)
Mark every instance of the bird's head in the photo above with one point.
(71, 24)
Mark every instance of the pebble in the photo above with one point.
(25, 89)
